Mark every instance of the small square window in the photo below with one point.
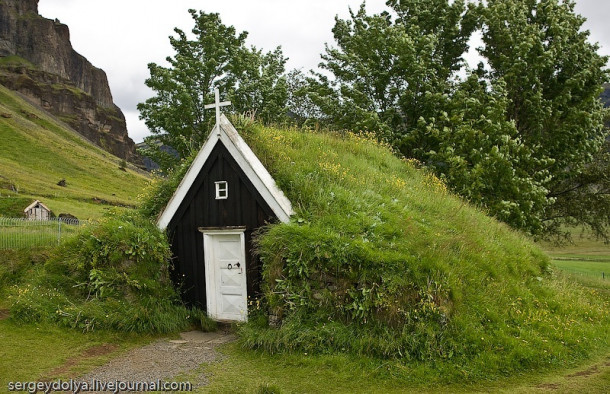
(222, 190)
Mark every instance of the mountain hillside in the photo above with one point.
(37, 60)
(37, 151)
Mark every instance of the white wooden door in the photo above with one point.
(225, 269)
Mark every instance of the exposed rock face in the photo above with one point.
(58, 78)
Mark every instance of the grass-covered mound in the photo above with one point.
(112, 275)
(381, 260)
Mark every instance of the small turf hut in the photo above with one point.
(37, 211)
(225, 196)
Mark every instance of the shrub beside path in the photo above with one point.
(165, 359)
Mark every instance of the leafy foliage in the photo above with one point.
(553, 79)
(114, 275)
(390, 72)
(216, 57)
(483, 157)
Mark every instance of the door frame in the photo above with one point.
(212, 301)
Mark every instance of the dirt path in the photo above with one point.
(164, 359)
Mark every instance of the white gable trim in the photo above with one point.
(225, 133)
(32, 205)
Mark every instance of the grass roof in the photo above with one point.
(381, 259)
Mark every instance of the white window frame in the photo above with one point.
(222, 193)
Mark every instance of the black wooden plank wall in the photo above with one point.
(243, 207)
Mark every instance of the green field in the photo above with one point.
(584, 255)
(37, 151)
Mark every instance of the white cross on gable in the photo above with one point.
(217, 105)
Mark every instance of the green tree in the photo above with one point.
(553, 77)
(481, 155)
(261, 85)
(390, 71)
(215, 57)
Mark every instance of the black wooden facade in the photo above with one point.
(244, 207)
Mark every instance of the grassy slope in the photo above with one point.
(36, 151)
(400, 251)
(248, 371)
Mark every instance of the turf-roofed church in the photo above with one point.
(225, 196)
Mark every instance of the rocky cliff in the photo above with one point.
(37, 60)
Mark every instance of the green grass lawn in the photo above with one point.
(585, 255)
(255, 372)
(250, 371)
(585, 266)
(31, 352)
(37, 352)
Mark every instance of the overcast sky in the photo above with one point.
(123, 36)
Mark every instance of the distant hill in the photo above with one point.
(37, 60)
(37, 151)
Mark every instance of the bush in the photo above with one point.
(112, 275)
(14, 265)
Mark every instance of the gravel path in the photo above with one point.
(164, 359)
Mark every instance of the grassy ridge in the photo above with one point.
(381, 260)
(37, 151)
